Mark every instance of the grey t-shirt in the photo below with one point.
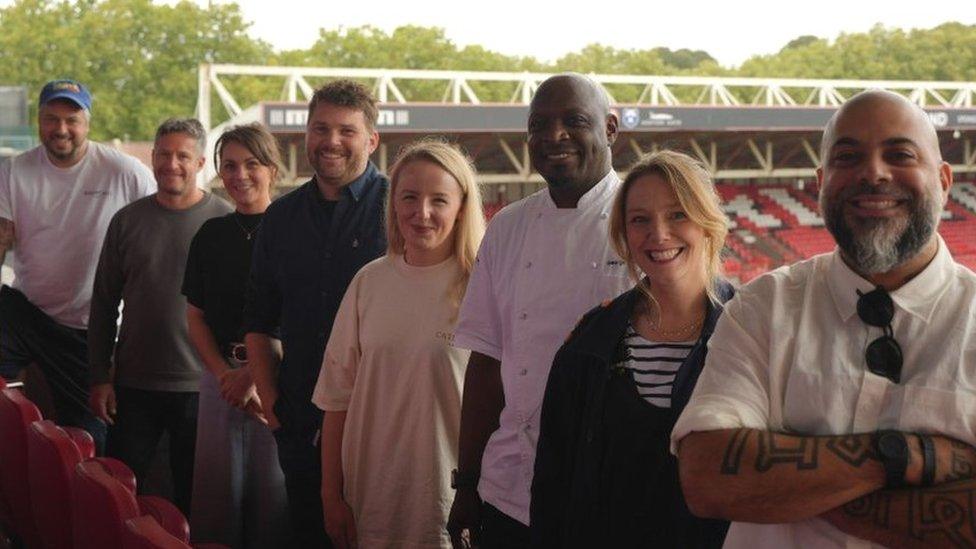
(142, 264)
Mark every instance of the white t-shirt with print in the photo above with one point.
(60, 217)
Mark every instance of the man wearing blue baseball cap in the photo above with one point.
(55, 204)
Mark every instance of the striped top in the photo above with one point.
(653, 365)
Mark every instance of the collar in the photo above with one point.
(599, 332)
(599, 196)
(354, 189)
(918, 297)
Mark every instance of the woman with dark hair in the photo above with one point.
(238, 488)
(604, 475)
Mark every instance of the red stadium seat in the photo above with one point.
(104, 498)
(145, 533)
(53, 455)
(16, 415)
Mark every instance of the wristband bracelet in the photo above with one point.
(928, 460)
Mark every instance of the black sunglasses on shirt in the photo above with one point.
(883, 355)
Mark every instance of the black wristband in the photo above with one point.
(928, 460)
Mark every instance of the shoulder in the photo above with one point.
(600, 328)
(137, 207)
(217, 205)
(287, 202)
(786, 279)
(30, 159)
(107, 156)
(214, 225)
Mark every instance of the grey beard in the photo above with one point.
(880, 245)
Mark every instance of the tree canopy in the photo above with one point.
(140, 59)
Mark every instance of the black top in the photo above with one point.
(304, 258)
(216, 273)
(604, 475)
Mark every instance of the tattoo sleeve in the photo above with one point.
(940, 516)
(802, 453)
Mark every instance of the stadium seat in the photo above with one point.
(53, 453)
(16, 415)
(145, 533)
(102, 503)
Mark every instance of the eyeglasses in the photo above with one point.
(883, 355)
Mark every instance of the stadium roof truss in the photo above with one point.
(732, 151)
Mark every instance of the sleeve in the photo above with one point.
(106, 296)
(733, 390)
(560, 424)
(479, 323)
(340, 363)
(193, 276)
(262, 297)
(6, 209)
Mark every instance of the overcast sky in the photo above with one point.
(730, 30)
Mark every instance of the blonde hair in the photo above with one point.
(696, 194)
(470, 226)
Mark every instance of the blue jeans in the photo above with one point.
(28, 335)
(238, 488)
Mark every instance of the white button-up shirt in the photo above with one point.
(539, 269)
(787, 355)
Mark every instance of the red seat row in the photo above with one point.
(55, 494)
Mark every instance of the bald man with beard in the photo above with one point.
(837, 407)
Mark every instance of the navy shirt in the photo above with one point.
(304, 258)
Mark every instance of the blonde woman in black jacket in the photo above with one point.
(604, 475)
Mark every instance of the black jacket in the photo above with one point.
(604, 475)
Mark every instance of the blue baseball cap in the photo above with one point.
(66, 89)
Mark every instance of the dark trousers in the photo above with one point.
(300, 457)
(500, 531)
(28, 335)
(141, 419)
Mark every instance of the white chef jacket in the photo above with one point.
(539, 269)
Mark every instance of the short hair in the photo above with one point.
(258, 141)
(697, 196)
(349, 94)
(471, 225)
(188, 126)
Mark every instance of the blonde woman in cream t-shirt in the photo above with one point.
(391, 379)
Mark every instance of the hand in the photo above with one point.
(267, 408)
(253, 407)
(465, 515)
(237, 387)
(102, 402)
(339, 523)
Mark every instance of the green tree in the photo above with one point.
(139, 59)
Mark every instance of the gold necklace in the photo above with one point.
(247, 234)
(681, 330)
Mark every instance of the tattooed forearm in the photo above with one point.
(733, 454)
(943, 516)
(801, 452)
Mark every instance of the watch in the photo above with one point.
(464, 479)
(892, 449)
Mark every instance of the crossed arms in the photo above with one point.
(751, 475)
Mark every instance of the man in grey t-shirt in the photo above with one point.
(147, 383)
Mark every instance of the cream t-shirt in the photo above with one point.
(390, 364)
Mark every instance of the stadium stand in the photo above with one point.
(772, 225)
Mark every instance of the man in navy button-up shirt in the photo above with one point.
(311, 243)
